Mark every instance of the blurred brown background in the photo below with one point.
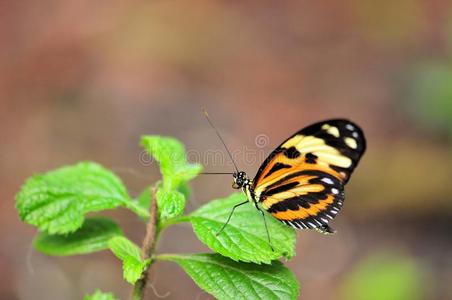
(82, 80)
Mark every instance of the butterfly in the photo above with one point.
(301, 183)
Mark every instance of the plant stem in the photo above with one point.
(148, 248)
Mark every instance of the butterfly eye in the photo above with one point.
(237, 183)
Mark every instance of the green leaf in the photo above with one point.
(91, 237)
(170, 153)
(123, 248)
(185, 189)
(129, 254)
(228, 279)
(57, 201)
(187, 172)
(98, 295)
(143, 203)
(170, 204)
(244, 238)
(144, 199)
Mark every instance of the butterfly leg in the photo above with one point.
(230, 215)
(325, 229)
(266, 227)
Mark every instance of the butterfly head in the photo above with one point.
(240, 180)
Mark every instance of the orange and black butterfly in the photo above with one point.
(302, 182)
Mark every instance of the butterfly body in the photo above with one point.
(302, 182)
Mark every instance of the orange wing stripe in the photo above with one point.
(302, 213)
(264, 183)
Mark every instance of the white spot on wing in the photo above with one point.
(350, 127)
(335, 191)
(351, 142)
(355, 134)
(327, 180)
(333, 131)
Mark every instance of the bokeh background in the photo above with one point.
(82, 80)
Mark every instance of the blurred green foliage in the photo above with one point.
(432, 92)
(385, 275)
(99, 295)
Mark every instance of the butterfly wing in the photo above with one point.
(302, 182)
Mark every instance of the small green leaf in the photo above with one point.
(170, 153)
(244, 238)
(185, 189)
(57, 201)
(129, 253)
(91, 237)
(187, 172)
(98, 295)
(144, 199)
(123, 248)
(143, 202)
(170, 204)
(228, 279)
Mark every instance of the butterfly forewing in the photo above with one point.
(301, 183)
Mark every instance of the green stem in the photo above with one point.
(140, 211)
(168, 257)
(175, 220)
(151, 238)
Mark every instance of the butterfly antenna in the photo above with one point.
(219, 136)
(216, 173)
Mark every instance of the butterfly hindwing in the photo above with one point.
(302, 182)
